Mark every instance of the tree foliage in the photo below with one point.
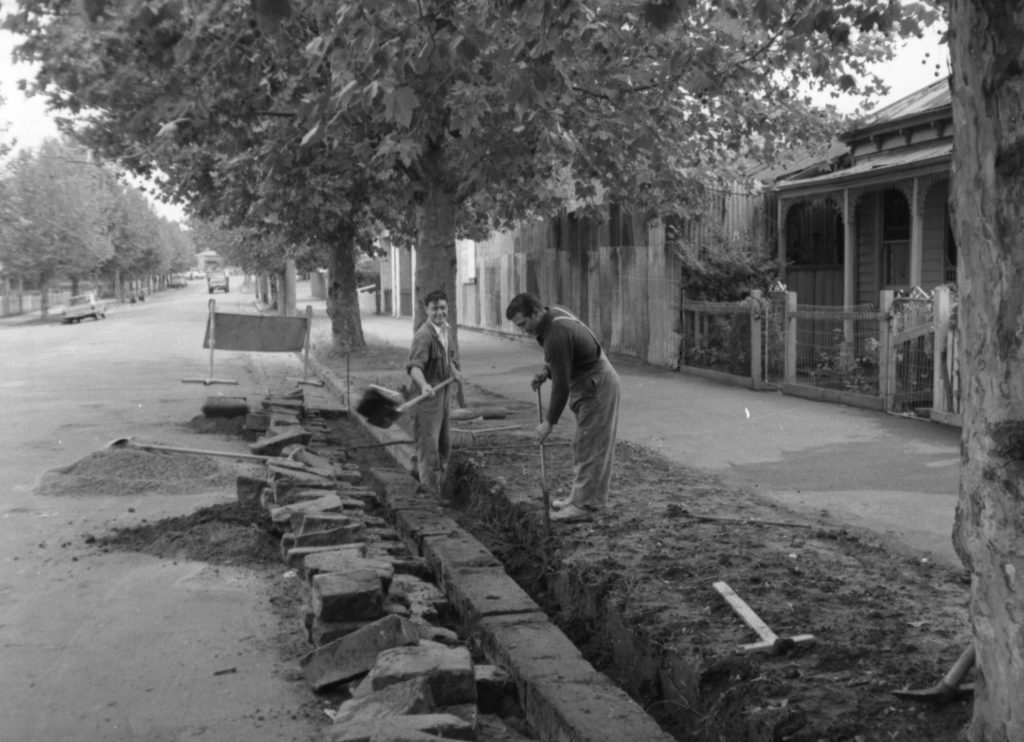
(63, 216)
(53, 223)
(322, 118)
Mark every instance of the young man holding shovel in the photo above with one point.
(582, 376)
(431, 362)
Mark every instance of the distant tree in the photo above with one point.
(131, 229)
(52, 226)
(198, 99)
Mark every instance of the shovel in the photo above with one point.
(543, 474)
(131, 443)
(380, 406)
(947, 689)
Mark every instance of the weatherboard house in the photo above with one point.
(853, 232)
(874, 215)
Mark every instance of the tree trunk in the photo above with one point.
(342, 292)
(288, 298)
(44, 295)
(987, 53)
(436, 260)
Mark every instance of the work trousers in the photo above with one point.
(431, 433)
(594, 400)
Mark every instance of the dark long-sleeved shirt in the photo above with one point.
(570, 351)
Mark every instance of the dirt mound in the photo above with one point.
(634, 590)
(231, 533)
(115, 472)
(217, 425)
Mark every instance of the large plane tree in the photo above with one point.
(987, 197)
(437, 108)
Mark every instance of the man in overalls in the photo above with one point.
(582, 376)
(430, 363)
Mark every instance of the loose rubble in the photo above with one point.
(372, 615)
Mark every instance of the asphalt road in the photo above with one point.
(120, 646)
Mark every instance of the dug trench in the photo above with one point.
(633, 590)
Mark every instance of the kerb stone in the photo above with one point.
(343, 534)
(272, 445)
(356, 653)
(415, 524)
(295, 558)
(477, 592)
(410, 728)
(458, 549)
(342, 562)
(354, 596)
(449, 671)
(563, 696)
(408, 697)
(249, 487)
(284, 515)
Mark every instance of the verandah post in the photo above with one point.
(756, 334)
(790, 337)
(941, 393)
(886, 358)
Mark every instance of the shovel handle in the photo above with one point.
(543, 472)
(416, 400)
(963, 663)
(200, 451)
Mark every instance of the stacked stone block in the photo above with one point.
(371, 612)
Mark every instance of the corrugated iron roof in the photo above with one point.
(884, 161)
(929, 98)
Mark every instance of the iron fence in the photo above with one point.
(838, 348)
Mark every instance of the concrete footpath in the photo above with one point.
(895, 476)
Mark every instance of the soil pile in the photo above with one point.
(227, 534)
(116, 472)
(217, 425)
(634, 590)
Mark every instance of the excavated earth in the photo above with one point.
(634, 589)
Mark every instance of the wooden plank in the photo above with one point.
(745, 612)
(912, 334)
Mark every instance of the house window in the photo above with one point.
(815, 231)
(895, 254)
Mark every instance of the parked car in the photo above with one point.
(82, 306)
(177, 281)
(217, 281)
